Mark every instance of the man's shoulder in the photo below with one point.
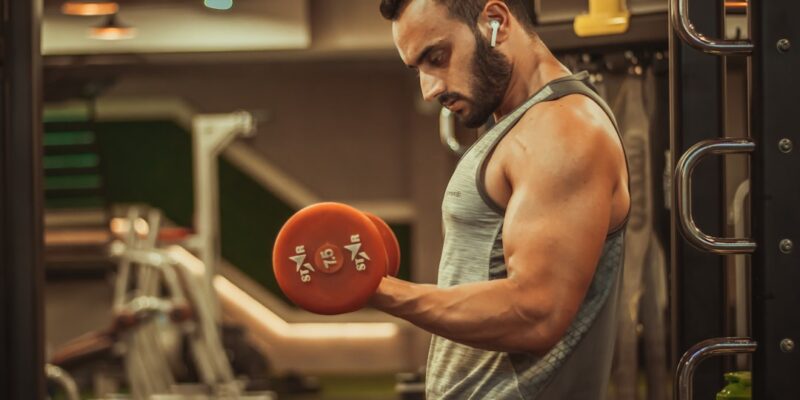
(572, 124)
(571, 136)
(566, 117)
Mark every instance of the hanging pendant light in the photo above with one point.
(111, 29)
(89, 7)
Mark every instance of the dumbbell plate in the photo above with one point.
(329, 258)
(390, 243)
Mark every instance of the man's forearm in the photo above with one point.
(486, 315)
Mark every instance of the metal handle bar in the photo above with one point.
(701, 351)
(679, 14)
(683, 196)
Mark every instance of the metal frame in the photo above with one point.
(211, 133)
(773, 99)
(775, 197)
(145, 357)
(697, 114)
(21, 248)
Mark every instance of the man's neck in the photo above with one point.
(530, 73)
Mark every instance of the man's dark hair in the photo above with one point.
(464, 10)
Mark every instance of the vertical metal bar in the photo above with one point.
(696, 113)
(775, 198)
(211, 134)
(21, 265)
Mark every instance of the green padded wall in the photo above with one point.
(151, 162)
(148, 162)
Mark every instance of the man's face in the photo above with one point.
(456, 65)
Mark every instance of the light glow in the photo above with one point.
(736, 4)
(121, 226)
(230, 295)
(112, 33)
(89, 8)
(227, 291)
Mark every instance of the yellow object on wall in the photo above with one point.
(605, 17)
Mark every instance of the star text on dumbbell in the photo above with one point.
(355, 247)
(347, 248)
(304, 269)
(355, 255)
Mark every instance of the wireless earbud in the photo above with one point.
(495, 24)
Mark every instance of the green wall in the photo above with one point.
(151, 162)
(148, 162)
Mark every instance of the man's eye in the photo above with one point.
(436, 59)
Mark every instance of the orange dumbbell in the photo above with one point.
(329, 258)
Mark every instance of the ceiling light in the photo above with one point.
(736, 4)
(112, 30)
(89, 7)
(219, 4)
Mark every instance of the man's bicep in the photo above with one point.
(555, 233)
(554, 230)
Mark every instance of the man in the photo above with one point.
(524, 306)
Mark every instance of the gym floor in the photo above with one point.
(377, 387)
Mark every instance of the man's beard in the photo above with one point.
(491, 73)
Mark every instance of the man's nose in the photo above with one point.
(431, 86)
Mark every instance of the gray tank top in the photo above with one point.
(578, 366)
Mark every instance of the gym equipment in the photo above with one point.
(211, 133)
(605, 17)
(769, 104)
(188, 306)
(329, 258)
(159, 303)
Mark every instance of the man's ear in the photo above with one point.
(494, 21)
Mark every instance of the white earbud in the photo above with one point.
(495, 24)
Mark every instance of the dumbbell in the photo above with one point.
(329, 258)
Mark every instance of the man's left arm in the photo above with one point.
(554, 229)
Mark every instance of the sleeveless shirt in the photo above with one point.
(578, 366)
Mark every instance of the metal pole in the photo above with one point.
(21, 235)
(696, 114)
(211, 133)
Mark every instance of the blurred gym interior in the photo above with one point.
(153, 149)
